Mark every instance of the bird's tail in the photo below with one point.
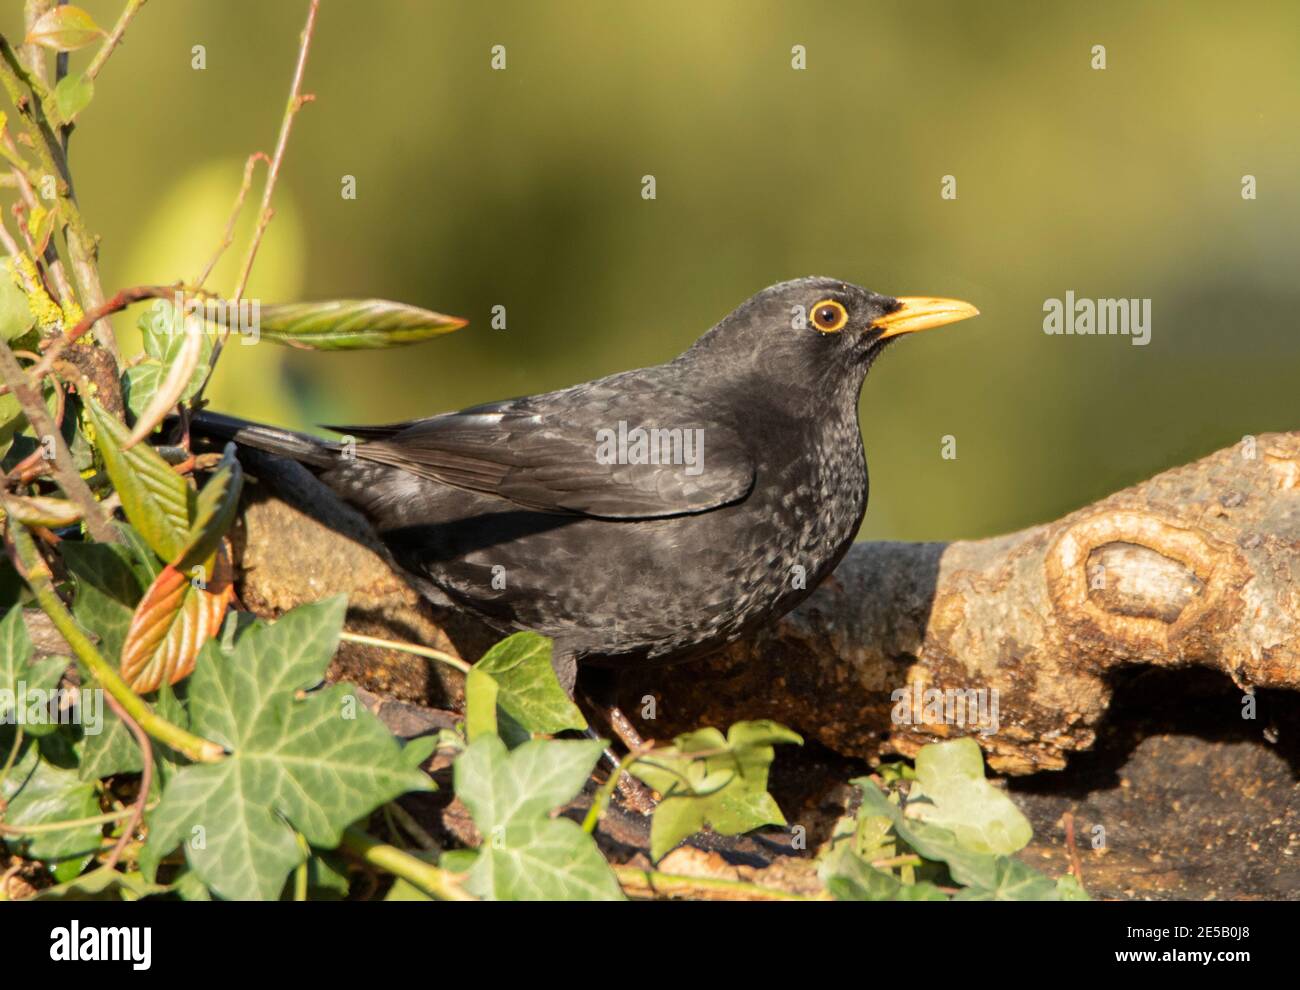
(300, 447)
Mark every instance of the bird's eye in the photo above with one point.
(829, 316)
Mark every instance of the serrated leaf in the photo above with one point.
(170, 625)
(352, 324)
(156, 499)
(951, 792)
(72, 95)
(527, 855)
(314, 764)
(724, 787)
(214, 510)
(529, 692)
(64, 29)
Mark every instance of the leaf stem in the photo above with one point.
(666, 883)
(37, 574)
(420, 651)
(44, 827)
(433, 880)
(106, 49)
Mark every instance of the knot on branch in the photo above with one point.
(1133, 585)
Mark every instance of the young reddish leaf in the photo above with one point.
(176, 616)
(64, 29)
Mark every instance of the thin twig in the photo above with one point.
(65, 471)
(45, 828)
(419, 651)
(81, 245)
(114, 39)
(296, 101)
(229, 237)
(146, 779)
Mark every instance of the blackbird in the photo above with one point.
(648, 516)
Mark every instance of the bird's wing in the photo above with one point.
(548, 453)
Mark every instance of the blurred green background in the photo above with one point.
(522, 188)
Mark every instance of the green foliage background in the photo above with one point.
(522, 188)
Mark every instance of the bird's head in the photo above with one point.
(814, 331)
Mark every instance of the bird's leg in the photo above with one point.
(597, 693)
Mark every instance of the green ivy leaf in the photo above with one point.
(107, 590)
(849, 878)
(724, 787)
(1012, 881)
(19, 677)
(39, 793)
(529, 692)
(991, 877)
(951, 792)
(156, 499)
(527, 855)
(481, 693)
(314, 764)
(164, 339)
(352, 324)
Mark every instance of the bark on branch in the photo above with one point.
(1197, 566)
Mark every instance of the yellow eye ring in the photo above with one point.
(829, 316)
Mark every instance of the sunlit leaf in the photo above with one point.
(176, 616)
(64, 29)
(527, 855)
(952, 792)
(352, 324)
(708, 779)
(155, 498)
(42, 510)
(529, 692)
(314, 764)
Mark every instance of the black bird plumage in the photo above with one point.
(507, 510)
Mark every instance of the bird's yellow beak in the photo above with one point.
(923, 313)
